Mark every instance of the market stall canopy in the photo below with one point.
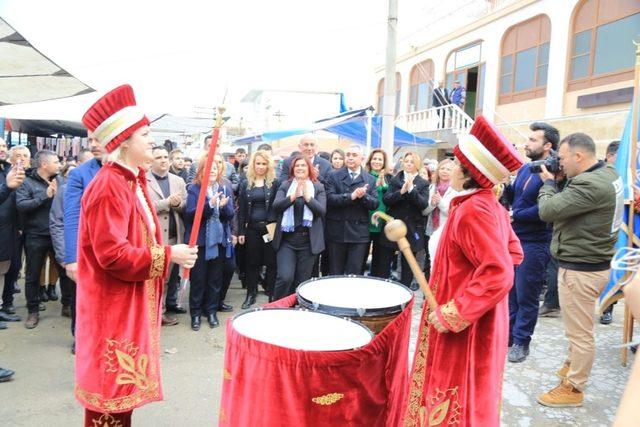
(26, 75)
(351, 125)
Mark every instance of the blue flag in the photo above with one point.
(611, 291)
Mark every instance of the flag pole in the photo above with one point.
(627, 325)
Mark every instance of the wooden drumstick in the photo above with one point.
(396, 231)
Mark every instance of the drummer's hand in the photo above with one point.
(184, 255)
(433, 319)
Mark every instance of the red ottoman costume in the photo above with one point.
(457, 376)
(121, 262)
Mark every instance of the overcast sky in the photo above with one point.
(187, 53)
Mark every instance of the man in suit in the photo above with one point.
(351, 194)
(168, 195)
(441, 99)
(308, 146)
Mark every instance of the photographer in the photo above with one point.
(534, 235)
(586, 216)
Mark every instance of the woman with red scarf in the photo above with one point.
(462, 345)
(121, 268)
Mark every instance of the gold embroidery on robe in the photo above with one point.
(157, 261)
(451, 315)
(106, 420)
(124, 354)
(444, 407)
(327, 399)
(226, 374)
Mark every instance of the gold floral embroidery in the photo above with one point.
(119, 404)
(157, 261)
(444, 407)
(106, 420)
(452, 317)
(327, 399)
(124, 353)
(226, 374)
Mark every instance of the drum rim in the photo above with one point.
(350, 311)
(348, 319)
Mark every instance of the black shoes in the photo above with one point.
(44, 297)
(176, 309)
(32, 320)
(606, 318)
(66, 311)
(5, 374)
(51, 293)
(9, 309)
(249, 301)
(212, 319)
(42, 307)
(518, 353)
(4, 317)
(225, 308)
(3, 325)
(195, 323)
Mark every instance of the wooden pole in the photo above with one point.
(627, 329)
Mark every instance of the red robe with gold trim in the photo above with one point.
(120, 270)
(457, 376)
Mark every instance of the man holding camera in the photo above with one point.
(534, 235)
(586, 217)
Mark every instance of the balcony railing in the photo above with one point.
(450, 117)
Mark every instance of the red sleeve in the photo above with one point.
(108, 224)
(486, 241)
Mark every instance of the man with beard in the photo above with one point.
(535, 238)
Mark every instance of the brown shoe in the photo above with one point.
(563, 396)
(562, 372)
(169, 321)
(32, 320)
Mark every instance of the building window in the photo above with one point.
(421, 86)
(381, 94)
(602, 51)
(525, 60)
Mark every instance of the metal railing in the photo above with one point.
(449, 117)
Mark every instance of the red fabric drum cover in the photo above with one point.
(269, 385)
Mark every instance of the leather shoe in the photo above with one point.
(225, 308)
(5, 374)
(248, 301)
(606, 318)
(176, 309)
(42, 307)
(195, 323)
(32, 320)
(9, 317)
(213, 320)
(9, 309)
(169, 321)
(66, 311)
(3, 325)
(51, 292)
(44, 297)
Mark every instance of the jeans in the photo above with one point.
(525, 293)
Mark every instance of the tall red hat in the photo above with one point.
(487, 154)
(114, 117)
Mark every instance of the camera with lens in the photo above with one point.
(552, 163)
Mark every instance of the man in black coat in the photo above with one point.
(308, 147)
(441, 99)
(351, 194)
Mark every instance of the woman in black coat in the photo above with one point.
(406, 197)
(300, 206)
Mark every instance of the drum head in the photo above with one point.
(354, 296)
(301, 329)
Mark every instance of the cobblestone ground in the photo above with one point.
(536, 375)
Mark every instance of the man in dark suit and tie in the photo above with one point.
(308, 146)
(351, 194)
(441, 99)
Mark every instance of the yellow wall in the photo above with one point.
(531, 109)
(571, 99)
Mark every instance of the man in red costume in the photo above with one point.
(462, 346)
(121, 265)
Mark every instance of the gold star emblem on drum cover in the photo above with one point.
(327, 399)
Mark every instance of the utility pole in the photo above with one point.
(389, 100)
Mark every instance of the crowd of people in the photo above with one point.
(279, 222)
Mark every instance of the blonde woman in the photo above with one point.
(255, 200)
(440, 195)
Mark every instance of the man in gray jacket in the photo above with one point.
(586, 216)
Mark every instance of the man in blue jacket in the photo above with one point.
(535, 238)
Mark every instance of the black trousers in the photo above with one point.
(261, 253)
(206, 281)
(66, 294)
(37, 249)
(172, 286)
(386, 256)
(228, 270)
(551, 299)
(380, 267)
(294, 267)
(346, 258)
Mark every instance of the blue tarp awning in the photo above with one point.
(351, 125)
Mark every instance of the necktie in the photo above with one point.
(353, 175)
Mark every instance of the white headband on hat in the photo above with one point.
(117, 123)
(482, 159)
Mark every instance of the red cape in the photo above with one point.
(120, 270)
(457, 376)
